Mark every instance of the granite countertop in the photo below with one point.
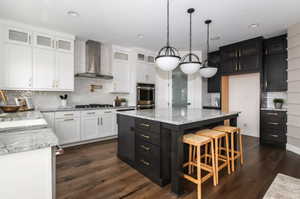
(72, 108)
(26, 140)
(273, 109)
(24, 131)
(177, 116)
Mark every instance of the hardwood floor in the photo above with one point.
(94, 172)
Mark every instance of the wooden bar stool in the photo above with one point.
(196, 142)
(234, 154)
(217, 138)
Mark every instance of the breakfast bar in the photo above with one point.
(151, 140)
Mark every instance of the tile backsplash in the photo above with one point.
(80, 95)
(268, 98)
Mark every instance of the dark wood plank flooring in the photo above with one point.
(93, 171)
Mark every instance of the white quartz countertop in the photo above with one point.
(178, 116)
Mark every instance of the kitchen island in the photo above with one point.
(151, 140)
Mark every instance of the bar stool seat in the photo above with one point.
(218, 137)
(234, 153)
(195, 143)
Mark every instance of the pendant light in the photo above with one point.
(190, 63)
(168, 57)
(207, 71)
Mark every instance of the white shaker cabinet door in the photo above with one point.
(107, 124)
(17, 66)
(90, 128)
(65, 71)
(44, 69)
(67, 130)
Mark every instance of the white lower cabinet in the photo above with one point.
(67, 130)
(49, 117)
(107, 125)
(90, 123)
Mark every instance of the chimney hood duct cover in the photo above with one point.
(93, 61)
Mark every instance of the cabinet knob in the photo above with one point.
(145, 162)
(145, 136)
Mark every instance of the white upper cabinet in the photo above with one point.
(65, 71)
(64, 45)
(36, 59)
(121, 71)
(17, 66)
(145, 68)
(18, 36)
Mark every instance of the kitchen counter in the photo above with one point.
(273, 109)
(24, 131)
(178, 116)
(60, 109)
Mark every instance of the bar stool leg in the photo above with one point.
(227, 153)
(190, 159)
(213, 163)
(206, 153)
(217, 160)
(241, 148)
(232, 151)
(199, 172)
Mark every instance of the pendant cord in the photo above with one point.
(190, 57)
(168, 23)
(207, 42)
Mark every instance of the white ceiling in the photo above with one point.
(120, 21)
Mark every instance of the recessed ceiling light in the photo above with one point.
(255, 25)
(215, 38)
(73, 13)
(140, 36)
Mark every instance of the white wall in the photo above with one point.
(244, 96)
(294, 88)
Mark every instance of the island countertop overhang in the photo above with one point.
(178, 116)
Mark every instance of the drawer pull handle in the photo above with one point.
(275, 136)
(70, 114)
(91, 113)
(145, 148)
(107, 112)
(68, 120)
(145, 125)
(145, 162)
(275, 114)
(145, 136)
(273, 123)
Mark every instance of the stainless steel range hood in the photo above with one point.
(92, 68)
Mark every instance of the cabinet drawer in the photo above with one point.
(90, 113)
(149, 165)
(277, 136)
(146, 149)
(148, 136)
(273, 117)
(147, 125)
(67, 114)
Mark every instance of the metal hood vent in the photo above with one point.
(93, 61)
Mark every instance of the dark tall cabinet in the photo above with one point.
(213, 83)
(242, 57)
(275, 64)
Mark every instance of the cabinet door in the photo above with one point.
(17, 66)
(121, 76)
(275, 45)
(43, 41)
(213, 83)
(67, 130)
(49, 117)
(275, 73)
(250, 63)
(64, 45)
(126, 137)
(229, 59)
(229, 66)
(44, 69)
(18, 36)
(65, 71)
(90, 128)
(107, 123)
(140, 72)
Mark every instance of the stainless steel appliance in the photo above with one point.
(145, 96)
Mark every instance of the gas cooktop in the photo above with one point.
(94, 106)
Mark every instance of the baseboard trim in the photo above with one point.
(293, 148)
